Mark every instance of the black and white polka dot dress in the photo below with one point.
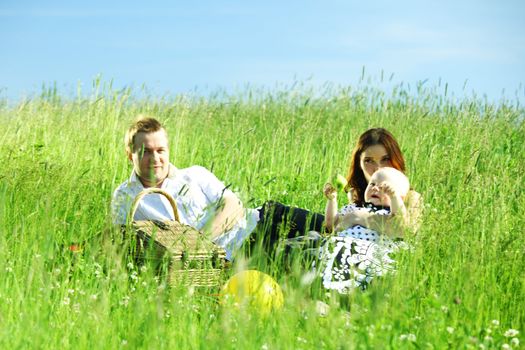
(356, 255)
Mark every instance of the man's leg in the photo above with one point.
(279, 221)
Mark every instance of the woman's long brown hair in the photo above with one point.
(356, 180)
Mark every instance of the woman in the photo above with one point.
(350, 261)
(377, 148)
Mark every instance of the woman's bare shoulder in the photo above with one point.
(414, 199)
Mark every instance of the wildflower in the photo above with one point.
(514, 342)
(495, 323)
(130, 265)
(264, 347)
(488, 339)
(125, 301)
(444, 309)
(9, 269)
(511, 333)
(410, 337)
(70, 291)
(76, 308)
(66, 301)
(94, 297)
(450, 330)
(124, 342)
(302, 340)
(506, 346)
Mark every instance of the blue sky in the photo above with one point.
(182, 46)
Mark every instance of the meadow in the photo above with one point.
(462, 286)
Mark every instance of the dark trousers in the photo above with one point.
(278, 222)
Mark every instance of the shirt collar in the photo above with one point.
(375, 207)
(135, 181)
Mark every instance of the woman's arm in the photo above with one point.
(331, 207)
(394, 226)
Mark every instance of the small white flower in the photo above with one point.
(481, 346)
(488, 339)
(495, 323)
(124, 342)
(264, 347)
(302, 340)
(444, 309)
(450, 330)
(403, 337)
(9, 269)
(411, 337)
(506, 347)
(76, 308)
(71, 291)
(130, 265)
(511, 333)
(125, 301)
(66, 301)
(94, 297)
(514, 342)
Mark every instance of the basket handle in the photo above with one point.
(151, 190)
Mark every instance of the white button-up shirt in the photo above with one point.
(196, 192)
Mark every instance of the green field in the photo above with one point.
(462, 286)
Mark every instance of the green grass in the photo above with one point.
(61, 159)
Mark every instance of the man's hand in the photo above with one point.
(228, 214)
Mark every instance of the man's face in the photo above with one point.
(150, 157)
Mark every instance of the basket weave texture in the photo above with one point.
(194, 260)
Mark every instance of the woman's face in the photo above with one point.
(373, 158)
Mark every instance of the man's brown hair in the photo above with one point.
(144, 124)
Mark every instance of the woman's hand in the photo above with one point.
(356, 217)
(329, 191)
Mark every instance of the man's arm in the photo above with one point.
(228, 213)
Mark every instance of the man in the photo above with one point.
(202, 200)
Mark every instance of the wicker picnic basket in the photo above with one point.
(192, 258)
